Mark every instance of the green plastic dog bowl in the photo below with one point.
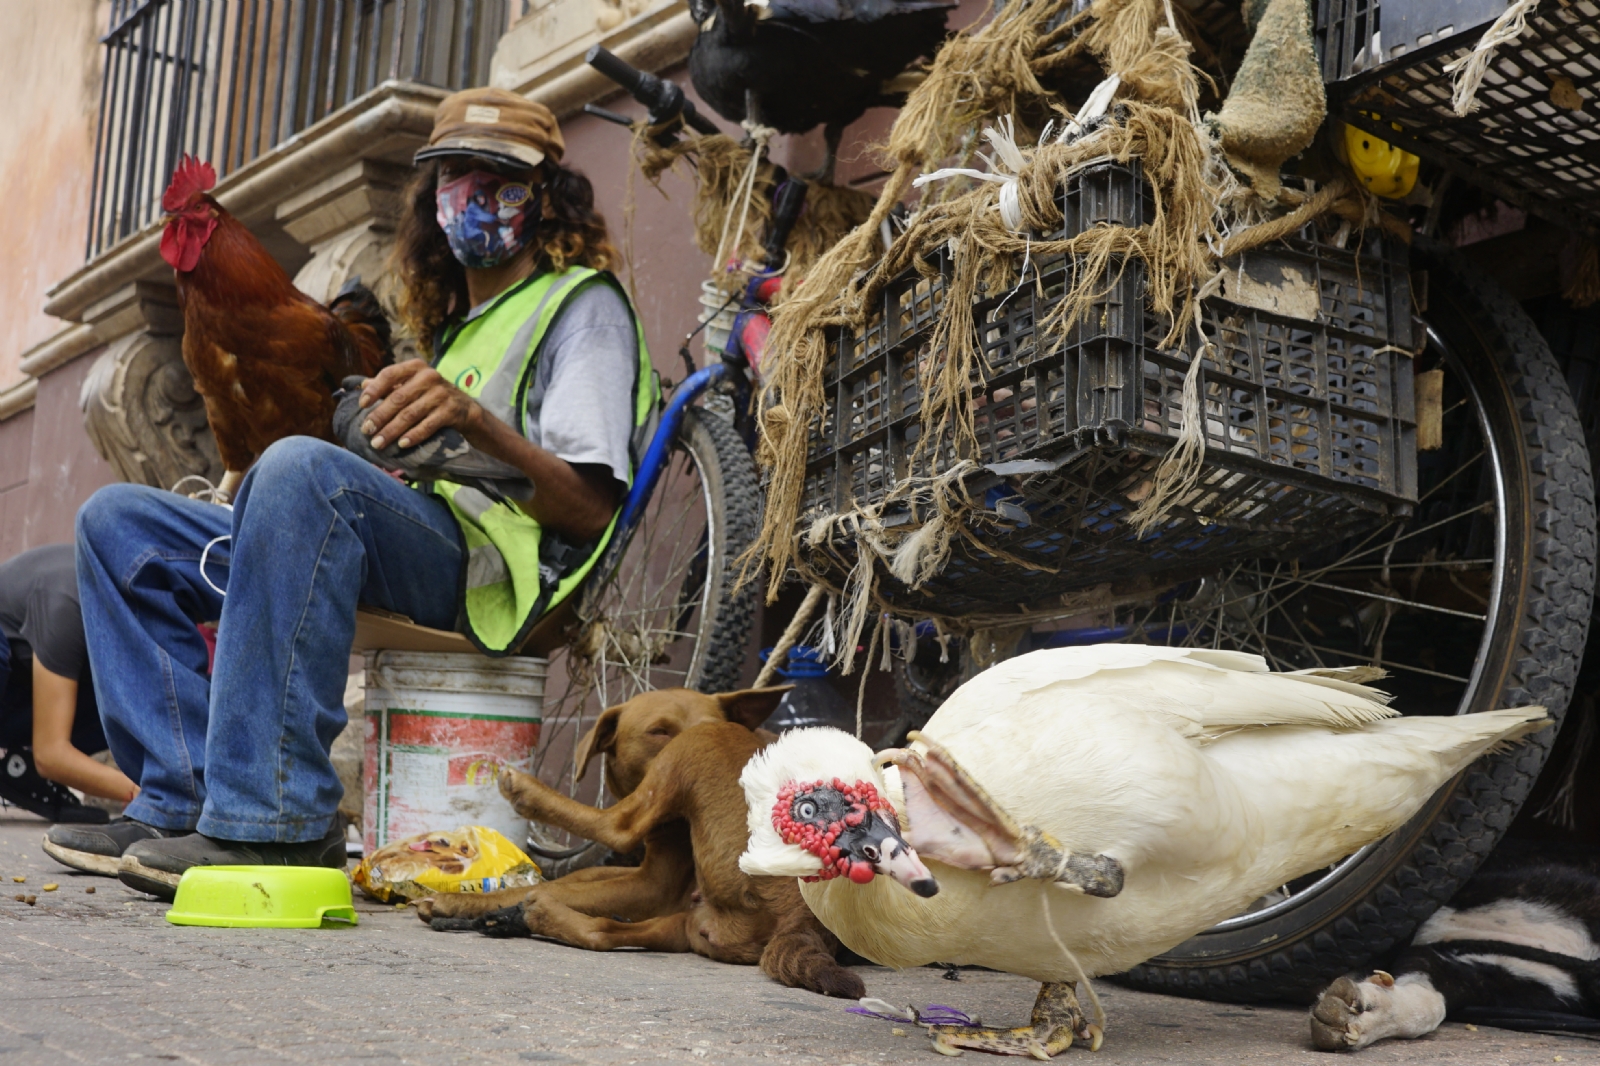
(263, 897)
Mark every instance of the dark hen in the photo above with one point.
(805, 63)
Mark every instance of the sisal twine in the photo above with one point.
(791, 634)
(1470, 69)
(721, 164)
(1584, 288)
(990, 221)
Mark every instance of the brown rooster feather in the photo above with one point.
(265, 357)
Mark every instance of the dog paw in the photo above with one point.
(449, 905)
(837, 981)
(518, 787)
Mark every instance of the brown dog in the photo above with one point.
(687, 809)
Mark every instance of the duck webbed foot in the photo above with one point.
(1057, 1022)
(954, 819)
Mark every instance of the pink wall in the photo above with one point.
(50, 80)
(48, 467)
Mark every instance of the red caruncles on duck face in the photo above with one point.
(862, 798)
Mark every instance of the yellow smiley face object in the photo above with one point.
(1388, 171)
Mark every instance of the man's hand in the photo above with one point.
(413, 402)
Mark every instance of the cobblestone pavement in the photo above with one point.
(102, 978)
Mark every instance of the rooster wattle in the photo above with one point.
(1082, 810)
(265, 357)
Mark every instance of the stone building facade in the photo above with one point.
(92, 386)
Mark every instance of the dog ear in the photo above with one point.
(601, 737)
(752, 706)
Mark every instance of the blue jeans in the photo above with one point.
(243, 754)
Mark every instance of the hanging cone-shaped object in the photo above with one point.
(1277, 102)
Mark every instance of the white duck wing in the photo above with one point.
(1322, 795)
(1202, 691)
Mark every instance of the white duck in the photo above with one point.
(1165, 789)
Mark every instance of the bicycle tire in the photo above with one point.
(1376, 906)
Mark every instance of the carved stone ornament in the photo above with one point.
(143, 415)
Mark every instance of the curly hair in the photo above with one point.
(433, 284)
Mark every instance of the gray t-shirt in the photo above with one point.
(580, 404)
(39, 608)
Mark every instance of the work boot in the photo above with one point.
(156, 866)
(21, 784)
(98, 849)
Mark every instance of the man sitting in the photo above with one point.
(537, 361)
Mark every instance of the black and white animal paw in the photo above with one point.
(1355, 1012)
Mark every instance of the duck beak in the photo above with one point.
(887, 852)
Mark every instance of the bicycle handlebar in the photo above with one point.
(664, 99)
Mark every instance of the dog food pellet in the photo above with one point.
(20, 898)
(89, 890)
(19, 880)
(51, 887)
(897, 1031)
(1471, 1028)
(31, 900)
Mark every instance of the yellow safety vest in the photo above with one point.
(514, 571)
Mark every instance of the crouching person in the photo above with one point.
(537, 362)
(49, 725)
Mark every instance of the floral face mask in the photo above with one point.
(487, 218)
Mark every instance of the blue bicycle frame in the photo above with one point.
(654, 463)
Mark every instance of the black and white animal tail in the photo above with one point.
(1518, 948)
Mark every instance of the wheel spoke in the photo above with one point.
(1387, 664)
(1377, 596)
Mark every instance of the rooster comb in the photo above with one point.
(191, 177)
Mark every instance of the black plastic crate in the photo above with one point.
(1525, 143)
(1308, 411)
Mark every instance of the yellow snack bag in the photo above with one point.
(472, 858)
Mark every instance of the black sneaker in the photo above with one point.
(156, 866)
(21, 784)
(99, 849)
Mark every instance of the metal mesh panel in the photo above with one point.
(1527, 143)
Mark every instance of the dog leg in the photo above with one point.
(621, 827)
(467, 904)
(544, 916)
(800, 955)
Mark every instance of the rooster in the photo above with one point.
(804, 63)
(1082, 810)
(266, 358)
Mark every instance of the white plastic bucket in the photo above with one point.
(719, 323)
(440, 726)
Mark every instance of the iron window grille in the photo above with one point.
(228, 80)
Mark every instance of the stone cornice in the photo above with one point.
(64, 346)
(18, 398)
(386, 124)
(563, 82)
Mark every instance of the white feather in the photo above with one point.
(819, 753)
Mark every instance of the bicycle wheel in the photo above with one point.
(659, 611)
(1480, 599)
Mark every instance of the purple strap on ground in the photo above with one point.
(932, 1014)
